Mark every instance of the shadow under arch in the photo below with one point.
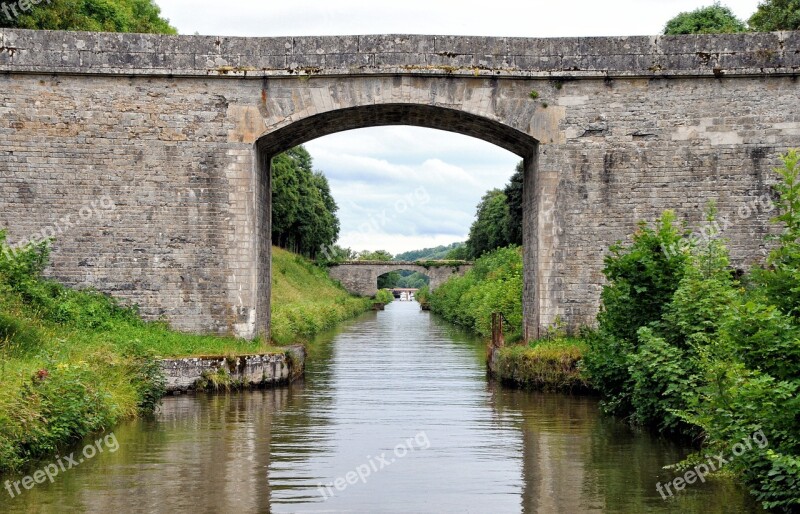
(426, 116)
(448, 119)
(425, 276)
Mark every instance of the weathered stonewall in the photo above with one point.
(179, 130)
(245, 370)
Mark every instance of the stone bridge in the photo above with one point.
(361, 278)
(148, 156)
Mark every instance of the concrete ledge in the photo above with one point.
(246, 370)
(25, 51)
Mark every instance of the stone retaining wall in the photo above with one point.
(246, 370)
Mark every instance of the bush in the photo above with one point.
(384, 296)
(494, 284)
(684, 347)
(642, 278)
(423, 297)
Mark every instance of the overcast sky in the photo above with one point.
(404, 188)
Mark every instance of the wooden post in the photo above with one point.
(498, 341)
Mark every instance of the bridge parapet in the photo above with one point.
(589, 57)
(424, 263)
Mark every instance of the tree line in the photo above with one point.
(770, 16)
(304, 218)
(140, 16)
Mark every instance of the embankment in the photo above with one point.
(305, 301)
(76, 362)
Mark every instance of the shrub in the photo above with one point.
(714, 19)
(642, 278)
(709, 356)
(384, 296)
(494, 284)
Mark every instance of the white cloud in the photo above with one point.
(534, 18)
(420, 187)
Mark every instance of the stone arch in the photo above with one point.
(361, 278)
(506, 120)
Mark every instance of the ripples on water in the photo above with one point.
(379, 382)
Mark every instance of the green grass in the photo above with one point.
(62, 380)
(305, 301)
(546, 364)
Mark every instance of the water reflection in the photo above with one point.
(370, 386)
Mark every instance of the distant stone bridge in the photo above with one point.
(177, 133)
(361, 278)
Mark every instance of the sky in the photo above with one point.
(405, 188)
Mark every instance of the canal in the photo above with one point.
(395, 415)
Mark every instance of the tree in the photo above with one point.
(142, 16)
(490, 229)
(775, 15)
(513, 192)
(780, 279)
(460, 253)
(714, 19)
(377, 255)
(303, 210)
(426, 254)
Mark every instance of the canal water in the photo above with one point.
(395, 415)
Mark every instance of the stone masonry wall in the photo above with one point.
(245, 370)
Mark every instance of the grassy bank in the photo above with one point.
(305, 301)
(75, 362)
(547, 364)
